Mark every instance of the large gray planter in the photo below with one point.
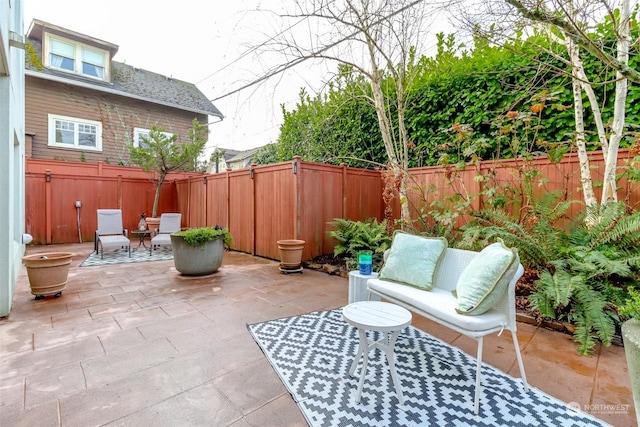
(197, 260)
(631, 337)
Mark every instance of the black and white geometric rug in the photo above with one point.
(312, 354)
(120, 256)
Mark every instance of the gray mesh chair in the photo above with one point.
(110, 233)
(169, 223)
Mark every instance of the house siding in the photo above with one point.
(119, 115)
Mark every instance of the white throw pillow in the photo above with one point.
(413, 259)
(486, 278)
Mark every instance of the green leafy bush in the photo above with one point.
(584, 273)
(202, 235)
(356, 236)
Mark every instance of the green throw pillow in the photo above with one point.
(486, 278)
(413, 259)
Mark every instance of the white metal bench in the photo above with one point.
(439, 305)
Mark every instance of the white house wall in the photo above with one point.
(12, 147)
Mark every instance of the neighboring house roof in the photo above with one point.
(227, 153)
(126, 80)
(243, 155)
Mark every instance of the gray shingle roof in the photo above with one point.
(128, 81)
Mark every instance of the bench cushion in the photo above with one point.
(437, 304)
(486, 278)
(413, 259)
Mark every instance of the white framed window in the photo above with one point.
(138, 133)
(71, 132)
(74, 57)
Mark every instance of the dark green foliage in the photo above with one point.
(164, 154)
(202, 235)
(584, 268)
(471, 87)
(266, 155)
(356, 236)
(538, 235)
(631, 307)
(591, 273)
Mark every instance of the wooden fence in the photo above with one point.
(263, 204)
(296, 200)
(431, 184)
(53, 187)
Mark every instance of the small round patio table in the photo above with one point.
(141, 236)
(383, 317)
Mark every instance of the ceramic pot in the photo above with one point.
(197, 260)
(290, 253)
(48, 272)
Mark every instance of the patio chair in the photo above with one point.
(110, 233)
(169, 223)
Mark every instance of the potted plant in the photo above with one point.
(290, 254)
(48, 272)
(199, 251)
(631, 337)
(163, 153)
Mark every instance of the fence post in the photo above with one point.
(205, 202)
(344, 189)
(253, 208)
(119, 191)
(297, 187)
(228, 201)
(47, 205)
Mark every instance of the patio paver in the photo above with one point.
(137, 344)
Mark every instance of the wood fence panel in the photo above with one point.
(320, 203)
(53, 187)
(217, 200)
(274, 208)
(241, 210)
(35, 209)
(197, 202)
(362, 195)
(183, 200)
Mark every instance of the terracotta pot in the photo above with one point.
(47, 272)
(290, 253)
(153, 223)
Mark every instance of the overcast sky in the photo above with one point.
(199, 41)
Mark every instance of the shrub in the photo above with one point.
(355, 236)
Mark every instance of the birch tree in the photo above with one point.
(376, 38)
(568, 23)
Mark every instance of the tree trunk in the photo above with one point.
(609, 188)
(578, 111)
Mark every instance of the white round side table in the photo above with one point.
(383, 317)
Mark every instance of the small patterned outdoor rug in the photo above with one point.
(312, 354)
(120, 256)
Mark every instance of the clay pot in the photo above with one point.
(48, 272)
(153, 224)
(290, 253)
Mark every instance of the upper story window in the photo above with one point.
(75, 57)
(139, 133)
(70, 132)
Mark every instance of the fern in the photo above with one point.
(594, 318)
(354, 237)
(488, 225)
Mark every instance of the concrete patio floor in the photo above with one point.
(137, 344)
